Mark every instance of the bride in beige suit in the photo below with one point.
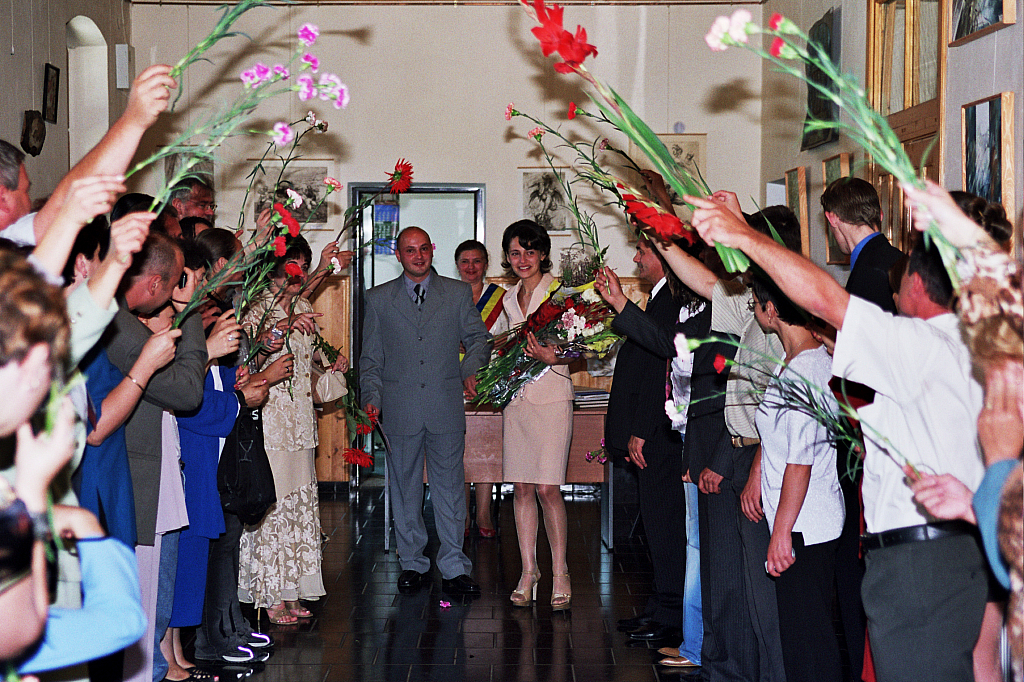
(538, 422)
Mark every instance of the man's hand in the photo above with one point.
(1000, 428)
(656, 188)
(750, 498)
(729, 200)
(158, 350)
(636, 452)
(717, 224)
(181, 296)
(710, 482)
(944, 497)
(780, 553)
(607, 284)
(372, 412)
(89, 197)
(149, 96)
(255, 392)
(75, 523)
(37, 459)
(469, 387)
(127, 235)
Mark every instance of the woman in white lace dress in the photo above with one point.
(280, 556)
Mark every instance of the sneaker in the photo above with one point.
(239, 654)
(257, 640)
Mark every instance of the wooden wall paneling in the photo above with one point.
(334, 300)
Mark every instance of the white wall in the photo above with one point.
(430, 84)
(36, 37)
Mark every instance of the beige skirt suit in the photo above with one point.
(537, 424)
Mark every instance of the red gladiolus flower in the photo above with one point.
(293, 270)
(401, 178)
(550, 31)
(572, 111)
(776, 48)
(363, 429)
(279, 247)
(667, 226)
(775, 21)
(357, 457)
(574, 49)
(720, 363)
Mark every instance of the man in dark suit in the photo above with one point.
(638, 429)
(411, 376)
(854, 215)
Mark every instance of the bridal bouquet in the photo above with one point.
(573, 318)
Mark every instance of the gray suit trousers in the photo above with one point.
(443, 453)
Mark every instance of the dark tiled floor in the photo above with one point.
(364, 630)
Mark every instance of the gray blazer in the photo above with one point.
(178, 385)
(409, 367)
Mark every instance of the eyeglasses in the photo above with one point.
(205, 205)
(751, 304)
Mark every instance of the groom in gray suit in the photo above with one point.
(410, 375)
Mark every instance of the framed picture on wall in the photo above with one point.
(305, 176)
(970, 19)
(826, 33)
(51, 91)
(543, 198)
(690, 150)
(987, 149)
(796, 200)
(833, 168)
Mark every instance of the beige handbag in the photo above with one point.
(328, 387)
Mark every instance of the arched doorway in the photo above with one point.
(88, 97)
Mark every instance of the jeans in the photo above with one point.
(693, 623)
(164, 599)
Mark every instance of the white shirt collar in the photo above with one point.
(657, 287)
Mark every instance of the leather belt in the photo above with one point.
(902, 536)
(743, 441)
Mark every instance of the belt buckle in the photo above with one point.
(737, 441)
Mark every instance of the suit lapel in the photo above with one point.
(403, 302)
(433, 301)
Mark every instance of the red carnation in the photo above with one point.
(401, 178)
(292, 224)
(572, 111)
(720, 363)
(292, 269)
(775, 21)
(776, 48)
(357, 457)
(279, 247)
(281, 210)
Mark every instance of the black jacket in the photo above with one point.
(869, 278)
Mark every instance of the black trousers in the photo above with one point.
(850, 575)
(730, 649)
(223, 623)
(663, 510)
(810, 651)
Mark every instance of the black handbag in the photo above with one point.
(244, 478)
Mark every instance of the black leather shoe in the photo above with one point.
(462, 584)
(630, 624)
(410, 580)
(653, 632)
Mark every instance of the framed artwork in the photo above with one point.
(826, 33)
(543, 199)
(203, 169)
(305, 176)
(51, 90)
(33, 133)
(796, 200)
(970, 19)
(833, 168)
(987, 129)
(690, 150)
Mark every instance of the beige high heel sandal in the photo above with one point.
(525, 596)
(556, 597)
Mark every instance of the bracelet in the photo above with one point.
(41, 526)
(132, 379)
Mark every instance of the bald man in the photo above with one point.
(410, 375)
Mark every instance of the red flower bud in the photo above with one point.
(720, 363)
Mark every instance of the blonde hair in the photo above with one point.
(31, 312)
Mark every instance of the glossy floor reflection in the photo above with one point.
(365, 630)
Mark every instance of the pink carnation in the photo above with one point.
(719, 29)
(509, 112)
(311, 61)
(250, 78)
(282, 134)
(741, 18)
(308, 34)
(281, 71)
(536, 133)
(262, 71)
(307, 89)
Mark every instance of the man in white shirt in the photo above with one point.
(925, 585)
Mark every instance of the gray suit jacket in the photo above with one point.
(409, 367)
(176, 386)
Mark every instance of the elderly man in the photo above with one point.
(924, 414)
(411, 376)
(193, 198)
